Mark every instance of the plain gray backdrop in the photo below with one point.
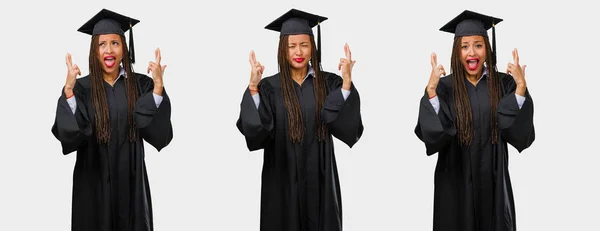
(206, 179)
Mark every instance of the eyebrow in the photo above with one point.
(477, 41)
(114, 40)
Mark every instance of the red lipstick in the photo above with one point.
(299, 60)
(472, 63)
(109, 61)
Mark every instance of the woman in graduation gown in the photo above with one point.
(468, 118)
(293, 115)
(105, 117)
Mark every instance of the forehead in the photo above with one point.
(472, 38)
(298, 38)
(105, 37)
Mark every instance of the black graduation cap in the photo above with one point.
(298, 22)
(472, 23)
(109, 22)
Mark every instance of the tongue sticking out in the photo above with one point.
(109, 62)
(472, 64)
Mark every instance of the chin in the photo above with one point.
(110, 70)
(299, 65)
(475, 72)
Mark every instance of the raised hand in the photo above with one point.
(72, 73)
(157, 72)
(345, 66)
(255, 74)
(518, 73)
(436, 72)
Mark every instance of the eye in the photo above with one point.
(101, 44)
(464, 47)
(115, 43)
(479, 46)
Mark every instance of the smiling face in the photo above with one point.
(110, 52)
(472, 54)
(299, 51)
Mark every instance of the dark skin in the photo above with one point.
(110, 46)
(299, 47)
(474, 47)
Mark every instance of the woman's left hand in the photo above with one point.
(345, 66)
(518, 73)
(157, 72)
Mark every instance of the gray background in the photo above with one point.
(207, 180)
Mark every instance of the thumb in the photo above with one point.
(524, 66)
(164, 67)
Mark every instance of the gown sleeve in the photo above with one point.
(435, 129)
(342, 117)
(153, 123)
(515, 125)
(72, 129)
(257, 124)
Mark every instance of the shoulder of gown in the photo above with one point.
(445, 85)
(83, 82)
(143, 80)
(332, 79)
(507, 81)
(267, 84)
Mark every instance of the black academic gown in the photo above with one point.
(110, 184)
(472, 184)
(300, 184)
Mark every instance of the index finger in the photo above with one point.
(252, 58)
(348, 52)
(68, 60)
(157, 55)
(516, 56)
(433, 60)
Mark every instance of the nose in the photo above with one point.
(471, 51)
(298, 51)
(109, 49)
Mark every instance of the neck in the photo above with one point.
(110, 77)
(299, 74)
(473, 78)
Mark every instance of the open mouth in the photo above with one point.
(109, 61)
(472, 63)
(299, 60)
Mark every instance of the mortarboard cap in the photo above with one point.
(108, 22)
(298, 22)
(471, 23)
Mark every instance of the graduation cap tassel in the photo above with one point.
(319, 41)
(493, 44)
(131, 50)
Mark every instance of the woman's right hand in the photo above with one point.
(255, 73)
(72, 72)
(436, 72)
